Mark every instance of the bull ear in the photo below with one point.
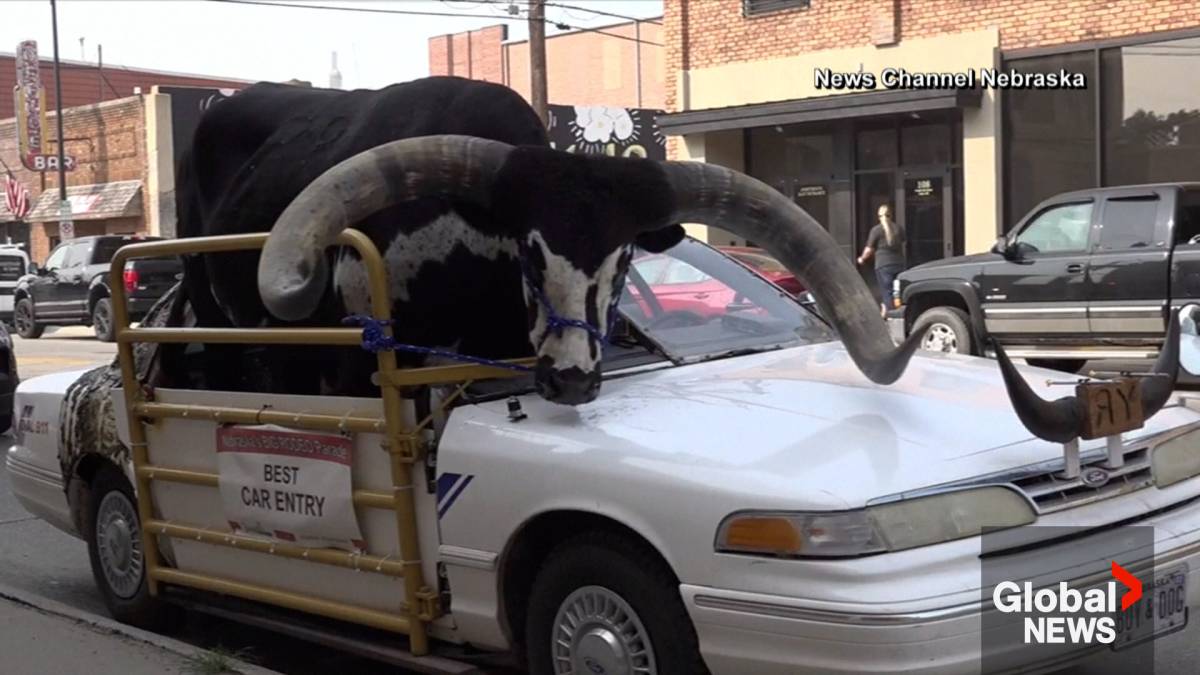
(657, 241)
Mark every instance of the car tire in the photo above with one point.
(102, 320)
(947, 330)
(611, 596)
(113, 533)
(25, 320)
(1065, 365)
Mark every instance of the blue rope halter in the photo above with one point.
(374, 339)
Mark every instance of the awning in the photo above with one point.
(121, 199)
(817, 109)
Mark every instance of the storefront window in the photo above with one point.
(779, 154)
(1051, 134)
(1151, 96)
(925, 144)
(876, 148)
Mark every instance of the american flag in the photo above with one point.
(16, 197)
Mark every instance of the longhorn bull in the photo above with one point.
(485, 230)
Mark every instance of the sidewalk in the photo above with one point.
(39, 636)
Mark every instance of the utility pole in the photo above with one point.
(66, 227)
(537, 60)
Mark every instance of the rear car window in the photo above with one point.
(1129, 222)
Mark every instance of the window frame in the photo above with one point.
(1151, 196)
(61, 247)
(1088, 243)
(756, 8)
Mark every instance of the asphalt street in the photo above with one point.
(39, 559)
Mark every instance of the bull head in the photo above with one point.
(575, 219)
(1062, 420)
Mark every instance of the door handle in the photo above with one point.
(1074, 268)
(700, 296)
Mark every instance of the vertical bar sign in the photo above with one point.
(29, 104)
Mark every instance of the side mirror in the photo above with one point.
(34, 269)
(1189, 339)
(1010, 250)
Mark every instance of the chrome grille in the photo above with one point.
(1051, 492)
(11, 268)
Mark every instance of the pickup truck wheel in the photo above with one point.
(102, 324)
(1065, 365)
(603, 604)
(23, 320)
(946, 329)
(114, 540)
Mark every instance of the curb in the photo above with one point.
(103, 624)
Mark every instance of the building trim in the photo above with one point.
(138, 70)
(1123, 41)
(817, 109)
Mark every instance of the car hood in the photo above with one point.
(803, 427)
(938, 268)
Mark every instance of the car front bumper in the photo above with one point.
(742, 632)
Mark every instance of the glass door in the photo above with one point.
(927, 212)
(872, 190)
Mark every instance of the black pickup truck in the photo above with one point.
(1085, 275)
(72, 287)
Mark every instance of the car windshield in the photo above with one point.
(693, 303)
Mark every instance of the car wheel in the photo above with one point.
(1065, 365)
(102, 320)
(602, 603)
(946, 329)
(114, 539)
(24, 322)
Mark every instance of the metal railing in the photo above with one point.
(400, 441)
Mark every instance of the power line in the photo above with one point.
(368, 10)
(596, 11)
(409, 12)
(564, 6)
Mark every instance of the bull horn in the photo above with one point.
(293, 272)
(1062, 420)
(733, 201)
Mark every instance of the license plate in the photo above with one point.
(1163, 609)
(1112, 407)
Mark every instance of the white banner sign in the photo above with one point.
(292, 486)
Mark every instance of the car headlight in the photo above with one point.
(878, 528)
(1176, 459)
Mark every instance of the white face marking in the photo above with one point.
(406, 254)
(566, 288)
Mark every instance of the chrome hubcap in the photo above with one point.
(940, 338)
(101, 321)
(597, 632)
(119, 544)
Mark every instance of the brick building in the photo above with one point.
(124, 149)
(605, 86)
(959, 164)
(622, 66)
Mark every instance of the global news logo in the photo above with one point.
(1066, 615)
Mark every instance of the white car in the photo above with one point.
(739, 499)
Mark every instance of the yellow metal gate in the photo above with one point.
(401, 442)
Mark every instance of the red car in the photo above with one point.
(766, 267)
(683, 289)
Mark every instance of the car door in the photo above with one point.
(1130, 266)
(1185, 257)
(1040, 289)
(44, 287)
(73, 285)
